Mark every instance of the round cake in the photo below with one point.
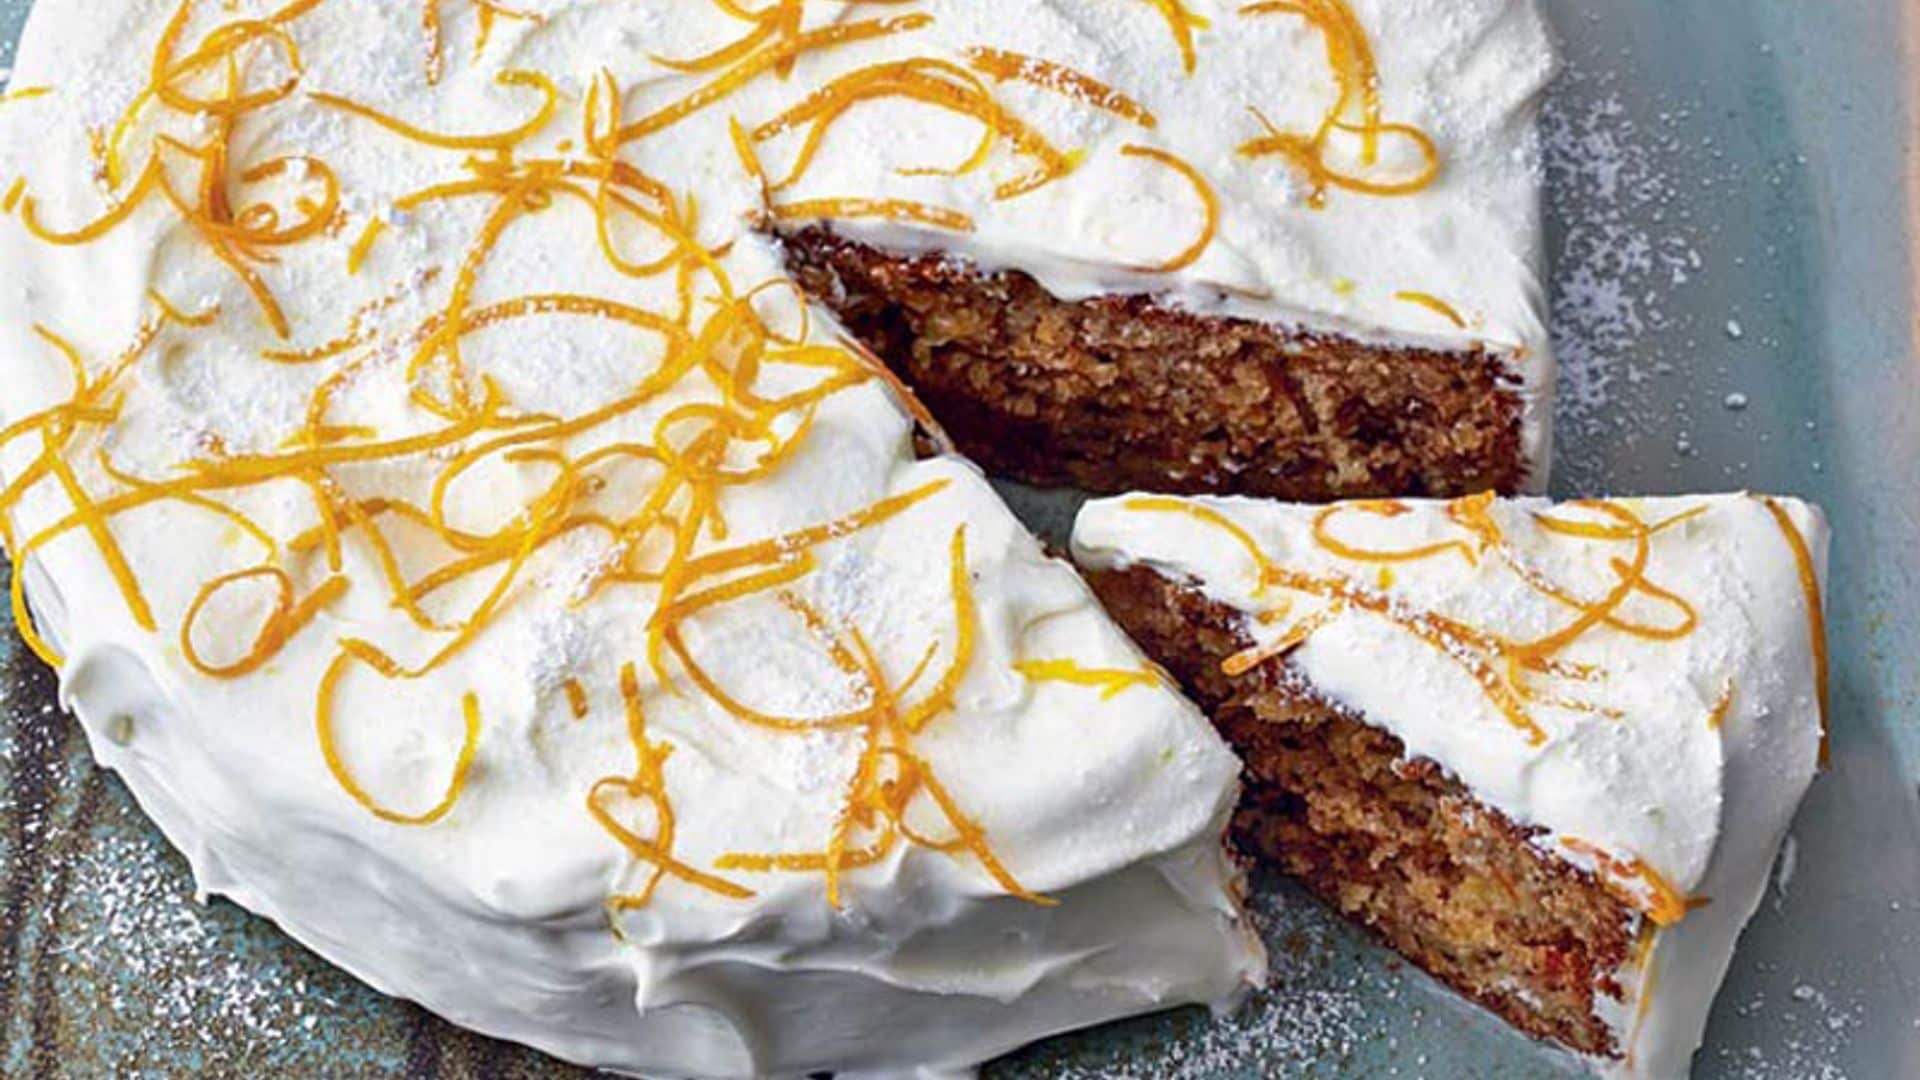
(499, 483)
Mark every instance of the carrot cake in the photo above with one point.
(1546, 752)
(478, 556)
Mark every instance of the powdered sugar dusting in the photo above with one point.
(131, 975)
(1811, 1027)
(1322, 1007)
(134, 927)
(1622, 259)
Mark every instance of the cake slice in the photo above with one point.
(1548, 753)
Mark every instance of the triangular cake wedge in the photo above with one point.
(477, 556)
(1546, 752)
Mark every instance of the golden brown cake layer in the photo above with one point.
(1396, 845)
(1119, 393)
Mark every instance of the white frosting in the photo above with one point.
(1703, 807)
(495, 915)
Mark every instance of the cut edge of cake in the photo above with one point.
(1124, 391)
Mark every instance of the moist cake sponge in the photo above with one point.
(1115, 392)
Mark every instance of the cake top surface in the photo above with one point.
(427, 477)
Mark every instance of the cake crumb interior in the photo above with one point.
(1117, 393)
(1396, 845)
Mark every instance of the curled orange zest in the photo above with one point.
(470, 710)
(1350, 55)
(1816, 617)
(285, 620)
(1209, 202)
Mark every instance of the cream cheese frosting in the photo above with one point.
(1667, 716)
(475, 560)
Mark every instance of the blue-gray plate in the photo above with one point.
(1732, 233)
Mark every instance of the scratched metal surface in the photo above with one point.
(1734, 298)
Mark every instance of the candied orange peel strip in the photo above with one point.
(1210, 206)
(239, 237)
(891, 209)
(1499, 665)
(286, 619)
(890, 776)
(496, 142)
(1001, 65)
(648, 783)
(1111, 682)
(329, 750)
(664, 534)
(1247, 659)
(577, 701)
(779, 22)
(1182, 23)
(1350, 56)
(1323, 535)
(773, 55)
(933, 82)
(487, 13)
(1816, 616)
(1434, 304)
(1723, 704)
